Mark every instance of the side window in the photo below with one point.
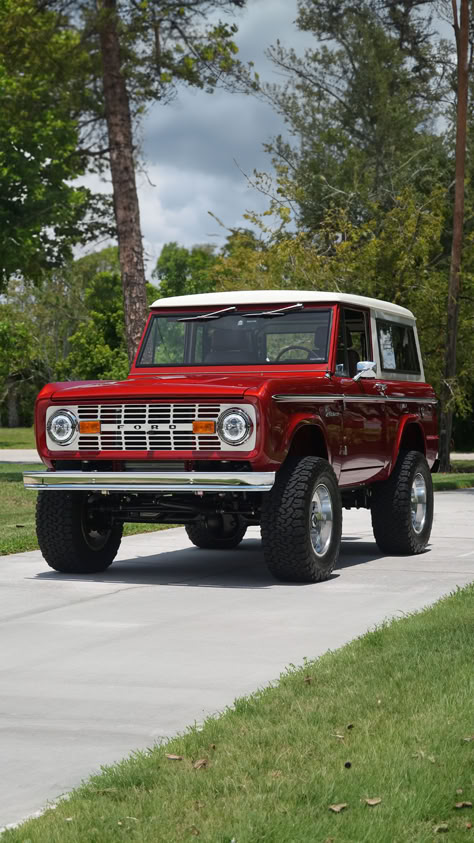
(353, 342)
(397, 348)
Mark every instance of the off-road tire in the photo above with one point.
(62, 530)
(392, 521)
(286, 522)
(212, 538)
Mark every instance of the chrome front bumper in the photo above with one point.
(151, 481)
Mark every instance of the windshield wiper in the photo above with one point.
(279, 312)
(215, 314)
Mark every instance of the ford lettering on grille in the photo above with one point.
(149, 427)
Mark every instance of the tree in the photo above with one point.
(461, 31)
(41, 214)
(140, 53)
(97, 348)
(361, 107)
(182, 271)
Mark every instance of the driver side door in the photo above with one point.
(363, 452)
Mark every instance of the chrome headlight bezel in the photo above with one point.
(247, 421)
(73, 421)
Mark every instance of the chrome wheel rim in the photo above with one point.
(418, 503)
(321, 519)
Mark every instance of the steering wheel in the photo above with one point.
(308, 351)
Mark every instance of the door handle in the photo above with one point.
(381, 387)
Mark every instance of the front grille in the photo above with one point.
(148, 427)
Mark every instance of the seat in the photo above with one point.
(352, 355)
(228, 346)
(320, 340)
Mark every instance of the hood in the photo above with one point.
(210, 385)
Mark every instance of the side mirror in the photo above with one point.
(365, 369)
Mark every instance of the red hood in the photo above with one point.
(209, 385)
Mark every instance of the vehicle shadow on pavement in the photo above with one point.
(241, 568)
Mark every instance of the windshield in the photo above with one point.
(236, 339)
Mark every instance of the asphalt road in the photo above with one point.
(94, 667)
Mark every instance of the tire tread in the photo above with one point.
(284, 524)
(57, 533)
(390, 509)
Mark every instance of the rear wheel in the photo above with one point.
(73, 535)
(302, 522)
(402, 506)
(217, 532)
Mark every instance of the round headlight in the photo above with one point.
(234, 426)
(62, 426)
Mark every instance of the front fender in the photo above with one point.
(303, 420)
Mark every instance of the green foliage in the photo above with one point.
(169, 44)
(17, 349)
(41, 213)
(97, 348)
(182, 271)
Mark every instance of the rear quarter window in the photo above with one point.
(397, 346)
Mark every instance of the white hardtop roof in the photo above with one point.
(275, 297)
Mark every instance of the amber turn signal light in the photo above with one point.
(89, 427)
(204, 427)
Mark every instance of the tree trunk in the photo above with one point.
(12, 405)
(127, 212)
(461, 31)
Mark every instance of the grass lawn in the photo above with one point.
(388, 718)
(17, 437)
(17, 512)
(446, 482)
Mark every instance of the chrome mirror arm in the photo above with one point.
(365, 369)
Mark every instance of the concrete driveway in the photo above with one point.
(93, 667)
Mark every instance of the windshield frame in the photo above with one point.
(242, 310)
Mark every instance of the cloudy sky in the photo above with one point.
(190, 147)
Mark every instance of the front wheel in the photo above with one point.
(302, 522)
(402, 506)
(217, 532)
(73, 534)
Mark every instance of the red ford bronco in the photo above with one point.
(275, 408)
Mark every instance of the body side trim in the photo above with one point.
(299, 399)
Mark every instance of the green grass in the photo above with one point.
(17, 437)
(446, 482)
(386, 716)
(17, 512)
